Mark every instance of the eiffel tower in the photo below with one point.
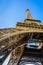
(23, 44)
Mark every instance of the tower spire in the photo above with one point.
(28, 15)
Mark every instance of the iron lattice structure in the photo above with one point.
(14, 40)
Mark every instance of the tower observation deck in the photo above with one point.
(24, 43)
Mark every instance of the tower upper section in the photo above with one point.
(30, 19)
(30, 22)
(28, 15)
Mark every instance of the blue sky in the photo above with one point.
(13, 11)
